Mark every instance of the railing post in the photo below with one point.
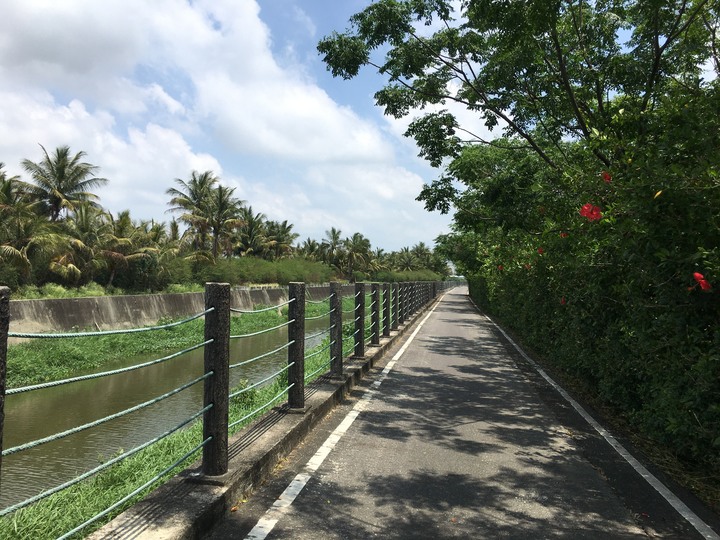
(296, 350)
(386, 309)
(375, 321)
(413, 298)
(336, 328)
(4, 329)
(359, 320)
(396, 306)
(217, 386)
(402, 303)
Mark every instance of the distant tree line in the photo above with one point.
(53, 230)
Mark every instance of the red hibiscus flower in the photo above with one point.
(606, 177)
(541, 251)
(564, 235)
(591, 212)
(704, 283)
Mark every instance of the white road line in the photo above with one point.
(266, 524)
(690, 516)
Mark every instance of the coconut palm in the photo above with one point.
(23, 232)
(61, 181)
(332, 248)
(378, 260)
(405, 260)
(282, 238)
(423, 254)
(357, 253)
(310, 250)
(252, 237)
(223, 216)
(191, 200)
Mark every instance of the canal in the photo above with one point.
(42, 413)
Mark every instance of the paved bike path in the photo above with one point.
(453, 442)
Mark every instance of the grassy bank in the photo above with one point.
(37, 361)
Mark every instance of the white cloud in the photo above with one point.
(304, 20)
(153, 90)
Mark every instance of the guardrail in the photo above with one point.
(376, 312)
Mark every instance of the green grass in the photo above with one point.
(32, 362)
(48, 359)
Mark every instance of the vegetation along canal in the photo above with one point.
(34, 415)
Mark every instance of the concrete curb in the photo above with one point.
(189, 504)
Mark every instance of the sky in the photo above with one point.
(151, 91)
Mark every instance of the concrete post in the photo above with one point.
(359, 320)
(396, 306)
(4, 329)
(375, 320)
(217, 386)
(386, 309)
(402, 303)
(296, 350)
(336, 324)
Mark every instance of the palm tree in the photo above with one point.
(282, 238)
(423, 254)
(192, 201)
(252, 238)
(405, 260)
(62, 181)
(378, 260)
(87, 228)
(223, 216)
(357, 253)
(310, 250)
(332, 248)
(23, 232)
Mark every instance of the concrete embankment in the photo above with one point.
(110, 312)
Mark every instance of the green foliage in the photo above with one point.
(409, 275)
(254, 270)
(591, 226)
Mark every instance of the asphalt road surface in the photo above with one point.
(458, 437)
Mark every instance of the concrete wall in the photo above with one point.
(110, 312)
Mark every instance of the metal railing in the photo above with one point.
(375, 314)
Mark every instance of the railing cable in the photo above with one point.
(50, 384)
(101, 467)
(271, 308)
(273, 400)
(77, 429)
(255, 359)
(263, 331)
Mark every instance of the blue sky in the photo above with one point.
(153, 90)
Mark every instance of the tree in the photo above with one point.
(310, 250)
(223, 217)
(332, 248)
(191, 200)
(422, 254)
(62, 181)
(542, 72)
(588, 220)
(405, 260)
(252, 237)
(357, 253)
(282, 238)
